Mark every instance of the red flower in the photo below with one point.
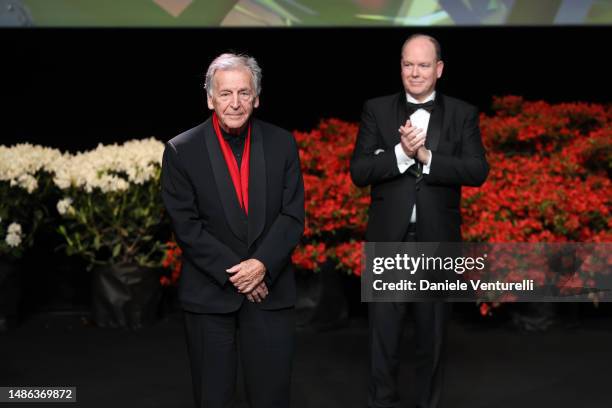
(173, 261)
(336, 210)
(485, 309)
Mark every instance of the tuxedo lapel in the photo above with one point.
(434, 129)
(257, 184)
(225, 188)
(401, 115)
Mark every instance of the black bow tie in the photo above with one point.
(413, 107)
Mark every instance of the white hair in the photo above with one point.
(229, 61)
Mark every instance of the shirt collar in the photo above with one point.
(431, 97)
(230, 136)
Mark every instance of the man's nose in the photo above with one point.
(415, 72)
(235, 103)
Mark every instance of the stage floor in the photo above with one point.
(487, 366)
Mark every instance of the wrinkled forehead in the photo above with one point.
(235, 77)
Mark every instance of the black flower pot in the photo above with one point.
(10, 294)
(535, 317)
(125, 296)
(322, 302)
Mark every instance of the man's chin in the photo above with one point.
(416, 92)
(234, 125)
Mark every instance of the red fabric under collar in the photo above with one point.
(240, 177)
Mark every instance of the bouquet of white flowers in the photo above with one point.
(25, 182)
(111, 208)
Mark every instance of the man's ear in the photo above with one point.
(256, 102)
(439, 68)
(210, 103)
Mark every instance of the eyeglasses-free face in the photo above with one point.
(233, 99)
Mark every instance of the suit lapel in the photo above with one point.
(257, 184)
(401, 115)
(434, 129)
(225, 187)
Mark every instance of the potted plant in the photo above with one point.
(112, 216)
(25, 182)
(336, 217)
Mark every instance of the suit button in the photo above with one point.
(418, 188)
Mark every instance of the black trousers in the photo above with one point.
(386, 325)
(265, 342)
(385, 334)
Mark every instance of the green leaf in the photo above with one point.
(116, 250)
(62, 230)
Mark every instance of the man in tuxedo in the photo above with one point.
(415, 149)
(234, 192)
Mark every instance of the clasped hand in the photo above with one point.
(412, 140)
(247, 277)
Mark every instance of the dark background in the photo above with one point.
(75, 88)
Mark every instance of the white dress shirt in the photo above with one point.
(420, 119)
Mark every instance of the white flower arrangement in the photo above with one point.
(25, 182)
(110, 168)
(20, 164)
(111, 210)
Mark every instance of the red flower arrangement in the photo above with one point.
(550, 175)
(549, 179)
(336, 210)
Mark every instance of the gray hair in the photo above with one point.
(229, 61)
(435, 43)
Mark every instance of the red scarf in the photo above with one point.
(240, 178)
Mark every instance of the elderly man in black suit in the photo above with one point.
(234, 192)
(415, 149)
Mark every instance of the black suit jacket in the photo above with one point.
(453, 136)
(215, 233)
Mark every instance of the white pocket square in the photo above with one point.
(378, 151)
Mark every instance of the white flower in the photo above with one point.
(14, 234)
(14, 229)
(13, 240)
(65, 206)
(25, 181)
(110, 168)
(20, 164)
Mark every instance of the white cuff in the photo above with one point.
(428, 164)
(403, 161)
